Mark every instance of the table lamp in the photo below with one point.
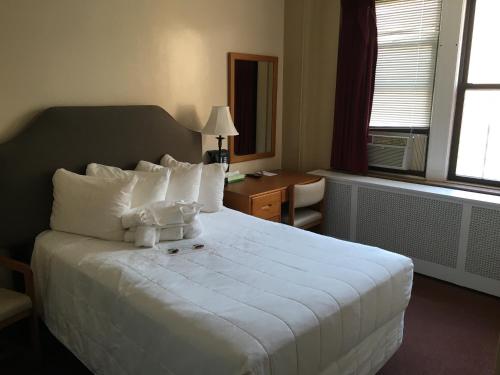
(220, 124)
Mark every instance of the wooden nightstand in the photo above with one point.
(262, 197)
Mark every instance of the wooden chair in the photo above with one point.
(497, 363)
(306, 204)
(15, 306)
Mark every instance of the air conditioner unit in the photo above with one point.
(390, 151)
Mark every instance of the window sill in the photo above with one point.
(418, 185)
(474, 188)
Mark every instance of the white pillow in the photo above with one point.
(90, 206)
(184, 182)
(211, 193)
(212, 187)
(150, 187)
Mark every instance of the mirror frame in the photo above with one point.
(232, 57)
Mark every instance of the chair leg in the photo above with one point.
(35, 338)
(497, 364)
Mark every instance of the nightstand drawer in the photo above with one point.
(267, 206)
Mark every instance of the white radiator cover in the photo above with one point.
(450, 234)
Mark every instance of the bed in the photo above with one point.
(259, 298)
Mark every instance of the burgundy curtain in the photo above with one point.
(357, 59)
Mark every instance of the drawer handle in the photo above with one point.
(266, 207)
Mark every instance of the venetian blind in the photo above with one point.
(408, 33)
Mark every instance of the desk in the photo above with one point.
(263, 197)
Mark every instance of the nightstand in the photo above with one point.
(263, 197)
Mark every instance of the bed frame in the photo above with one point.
(72, 137)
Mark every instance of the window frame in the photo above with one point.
(462, 87)
(414, 129)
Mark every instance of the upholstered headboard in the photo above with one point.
(72, 137)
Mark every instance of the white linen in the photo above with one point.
(90, 206)
(150, 187)
(184, 184)
(260, 298)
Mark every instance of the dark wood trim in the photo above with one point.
(398, 171)
(400, 130)
(482, 86)
(232, 57)
(462, 87)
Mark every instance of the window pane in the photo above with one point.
(485, 53)
(408, 33)
(479, 147)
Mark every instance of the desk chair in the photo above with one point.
(15, 306)
(306, 204)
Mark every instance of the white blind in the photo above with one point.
(408, 33)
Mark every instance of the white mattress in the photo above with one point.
(261, 298)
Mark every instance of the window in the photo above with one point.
(408, 34)
(475, 154)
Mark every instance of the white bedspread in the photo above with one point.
(260, 298)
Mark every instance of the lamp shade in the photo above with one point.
(220, 122)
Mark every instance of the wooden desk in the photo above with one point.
(263, 197)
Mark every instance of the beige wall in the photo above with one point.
(94, 52)
(311, 43)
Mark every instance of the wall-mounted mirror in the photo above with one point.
(252, 100)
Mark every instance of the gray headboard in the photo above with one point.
(72, 137)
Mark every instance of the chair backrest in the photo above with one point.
(308, 194)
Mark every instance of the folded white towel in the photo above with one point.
(162, 221)
(172, 234)
(142, 237)
(159, 214)
(165, 213)
(146, 236)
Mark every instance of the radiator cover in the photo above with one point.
(448, 235)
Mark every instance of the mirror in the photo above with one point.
(252, 101)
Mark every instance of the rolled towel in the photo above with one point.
(129, 236)
(194, 228)
(189, 211)
(136, 217)
(146, 236)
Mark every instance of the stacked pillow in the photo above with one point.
(93, 205)
(185, 182)
(150, 187)
(203, 183)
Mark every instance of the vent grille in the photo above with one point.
(388, 140)
(386, 156)
(338, 200)
(417, 227)
(483, 248)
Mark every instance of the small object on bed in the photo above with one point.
(198, 246)
(173, 251)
